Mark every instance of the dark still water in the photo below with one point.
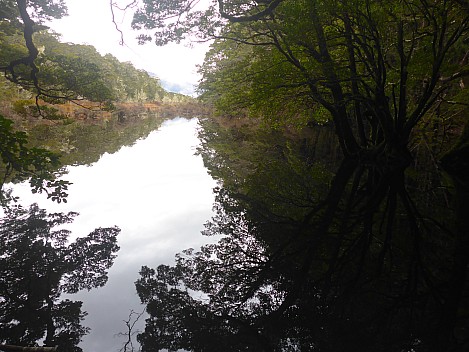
(307, 250)
(160, 195)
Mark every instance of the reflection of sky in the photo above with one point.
(159, 194)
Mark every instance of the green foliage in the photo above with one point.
(46, 10)
(363, 255)
(22, 163)
(23, 70)
(35, 60)
(10, 92)
(28, 108)
(38, 265)
(22, 106)
(11, 44)
(8, 10)
(81, 70)
(172, 21)
(71, 71)
(373, 69)
(130, 84)
(254, 80)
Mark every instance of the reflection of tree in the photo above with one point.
(131, 331)
(20, 162)
(363, 264)
(37, 266)
(310, 260)
(223, 272)
(85, 142)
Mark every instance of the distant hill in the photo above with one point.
(180, 88)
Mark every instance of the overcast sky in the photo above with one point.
(90, 22)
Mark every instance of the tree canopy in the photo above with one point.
(374, 70)
(357, 260)
(76, 72)
(27, 17)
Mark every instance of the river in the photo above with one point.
(160, 195)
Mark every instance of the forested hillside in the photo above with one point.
(68, 71)
(71, 86)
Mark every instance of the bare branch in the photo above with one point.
(113, 5)
(132, 319)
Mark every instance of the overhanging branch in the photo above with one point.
(248, 18)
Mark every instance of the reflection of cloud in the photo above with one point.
(172, 232)
(160, 195)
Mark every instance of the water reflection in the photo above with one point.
(38, 266)
(316, 253)
(306, 251)
(159, 194)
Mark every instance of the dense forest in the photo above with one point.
(340, 143)
(342, 154)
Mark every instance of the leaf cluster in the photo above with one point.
(37, 165)
(38, 265)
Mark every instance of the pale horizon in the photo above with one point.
(90, 22)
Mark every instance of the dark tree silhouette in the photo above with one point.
(38, 265)
(309, 257)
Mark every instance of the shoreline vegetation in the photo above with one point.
(68, 104)
(339, 141)
(70, 81)
(26, 110)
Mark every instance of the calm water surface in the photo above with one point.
(159, 193)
